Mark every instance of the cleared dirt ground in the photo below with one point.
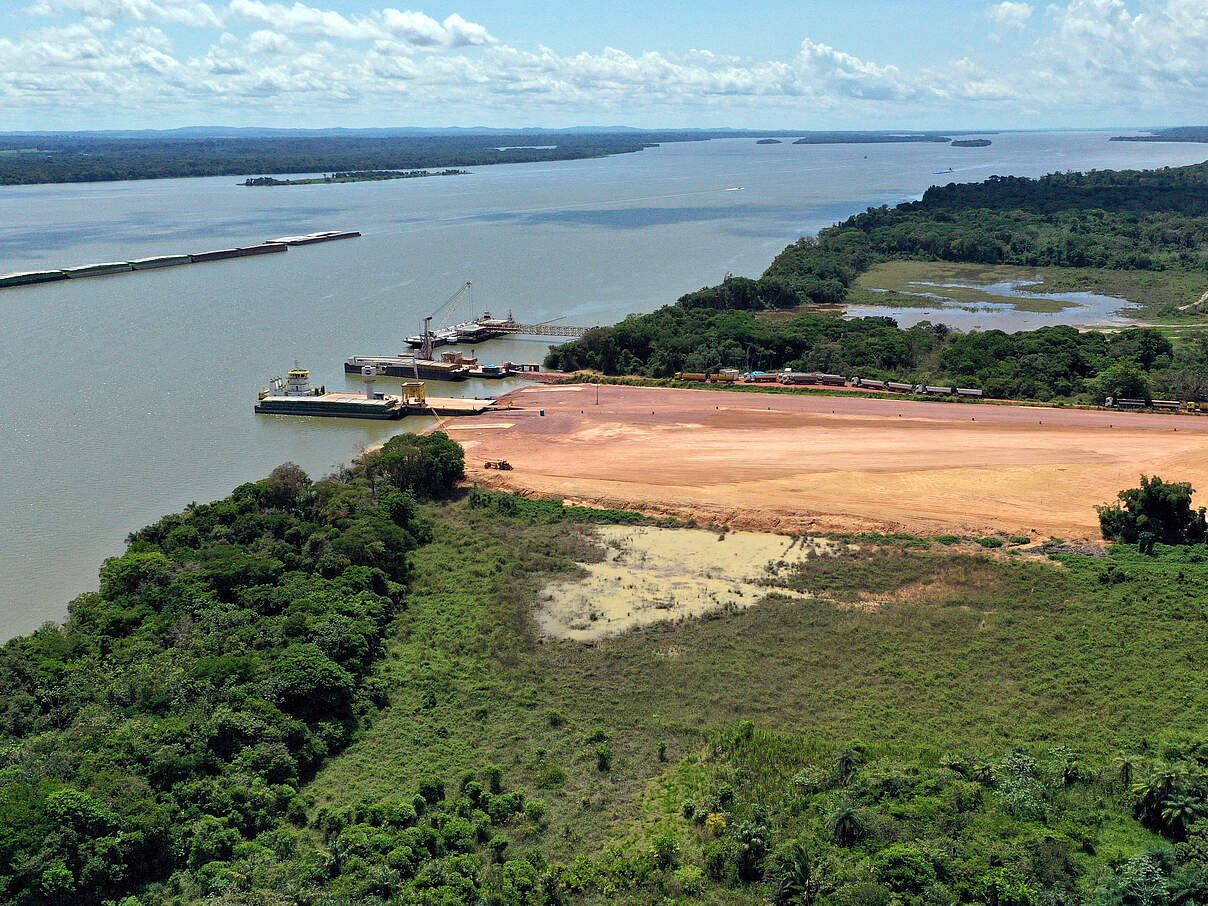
(817, 463)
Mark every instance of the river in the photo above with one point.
(126, 397)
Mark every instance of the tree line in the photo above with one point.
(1151, 219)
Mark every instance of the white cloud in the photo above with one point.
(277, 59)
(851, 77)
(1010, 15)
(413, 28)
(194, 13)
(266, 41)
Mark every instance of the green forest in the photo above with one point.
(332, 693)
(1124, 222)
(92, 158)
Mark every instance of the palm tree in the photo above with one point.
(846, 826)
(1153, 792)
(1178, 812)
(798, 877)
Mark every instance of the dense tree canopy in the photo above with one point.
(172, 717)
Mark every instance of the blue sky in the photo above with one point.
(78, 64)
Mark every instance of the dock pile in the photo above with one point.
(27, 278)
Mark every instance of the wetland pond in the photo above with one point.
(979, 297)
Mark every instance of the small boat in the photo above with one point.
(942, 172)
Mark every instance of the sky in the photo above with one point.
(762, 64)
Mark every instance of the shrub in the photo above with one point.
(534, 812)
(990, 541)
(689, 880)
(715, 824)
(718, 864)
(604, 757)
(662, 750)
(666, 851)
(494, 775)
(555, 717)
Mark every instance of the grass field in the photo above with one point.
(914, 657)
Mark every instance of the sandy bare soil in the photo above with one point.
(654, 574)
(816, 463)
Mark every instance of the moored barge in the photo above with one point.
(407, 366)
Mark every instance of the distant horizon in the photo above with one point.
(585, 128)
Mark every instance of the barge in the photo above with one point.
(241, 252)
(311, 238)
(25, 278)
(295, 396)
(146, 264)
(407, 366)
(98, 270)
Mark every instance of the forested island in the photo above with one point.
(1096, 225)
(27, 158)
(768, 141)
(971, 143)
(351, 176)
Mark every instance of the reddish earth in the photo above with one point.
(818, 463)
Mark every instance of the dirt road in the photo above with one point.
(793, 463)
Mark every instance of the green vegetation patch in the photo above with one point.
(332, 694)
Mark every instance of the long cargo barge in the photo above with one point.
(27, 278)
